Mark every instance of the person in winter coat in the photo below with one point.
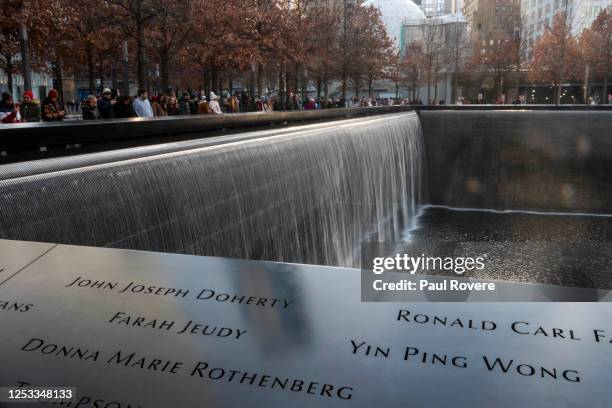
(310, 105)
(51, 111)
(29, 109)
(9, 112)
(123, 107)
(214, 104)
(290, 105)
(141, 105)
(172, 108)
(160, 106)
(203, 108)
(261, 105)
(193, 104)
(235, 104)
(184, 105)
(90, 109)
(105, 104)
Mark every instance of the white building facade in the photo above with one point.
(446, 31)
(536, 15)
(434, 8)
(41, 84)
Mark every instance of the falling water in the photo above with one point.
(310, 195)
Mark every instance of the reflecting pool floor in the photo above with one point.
(549, 248)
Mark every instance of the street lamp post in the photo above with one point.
(25, 50)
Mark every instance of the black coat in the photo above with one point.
(90, 113)
(106, 108)
(123, 110)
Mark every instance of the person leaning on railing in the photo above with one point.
(90, 109)
(50, 108)
(203, 107)
(30, 110)
(9, 111)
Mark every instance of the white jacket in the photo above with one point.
(214, 106)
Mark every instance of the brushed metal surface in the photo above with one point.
(16, 255)
(305, 336)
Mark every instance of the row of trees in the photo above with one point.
(557, 57)
(279, 45)
(560, 57)
(275, 45)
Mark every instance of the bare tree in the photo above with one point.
(457, 47)
(431, 52)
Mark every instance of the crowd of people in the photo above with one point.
(188, 103)
(107, 106)
(29, 110)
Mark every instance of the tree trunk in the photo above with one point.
(164, 74)
(326, 87)
(26, 69)
(558, 94)
(90, 69)
(260, 91)
(213, 80)
(126, 70)
(370, 87)
(252, 82)
(604, 99)
(206, 83)
(303, 83)
(518, 83)
(114, 75)
(9, 72)
(455, 93)
(140, 44)
(282, 74)
(587, 92)
(296, 79)
(60, 83)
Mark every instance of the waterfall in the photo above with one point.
(308, 195)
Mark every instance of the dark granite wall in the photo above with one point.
(531, 160)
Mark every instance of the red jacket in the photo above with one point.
(11, 117)
(310, 105)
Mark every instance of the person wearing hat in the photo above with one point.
(30, 110)
(50, 108)
(203, 108)
(214, 105)
(105, 104)
(9, 112)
